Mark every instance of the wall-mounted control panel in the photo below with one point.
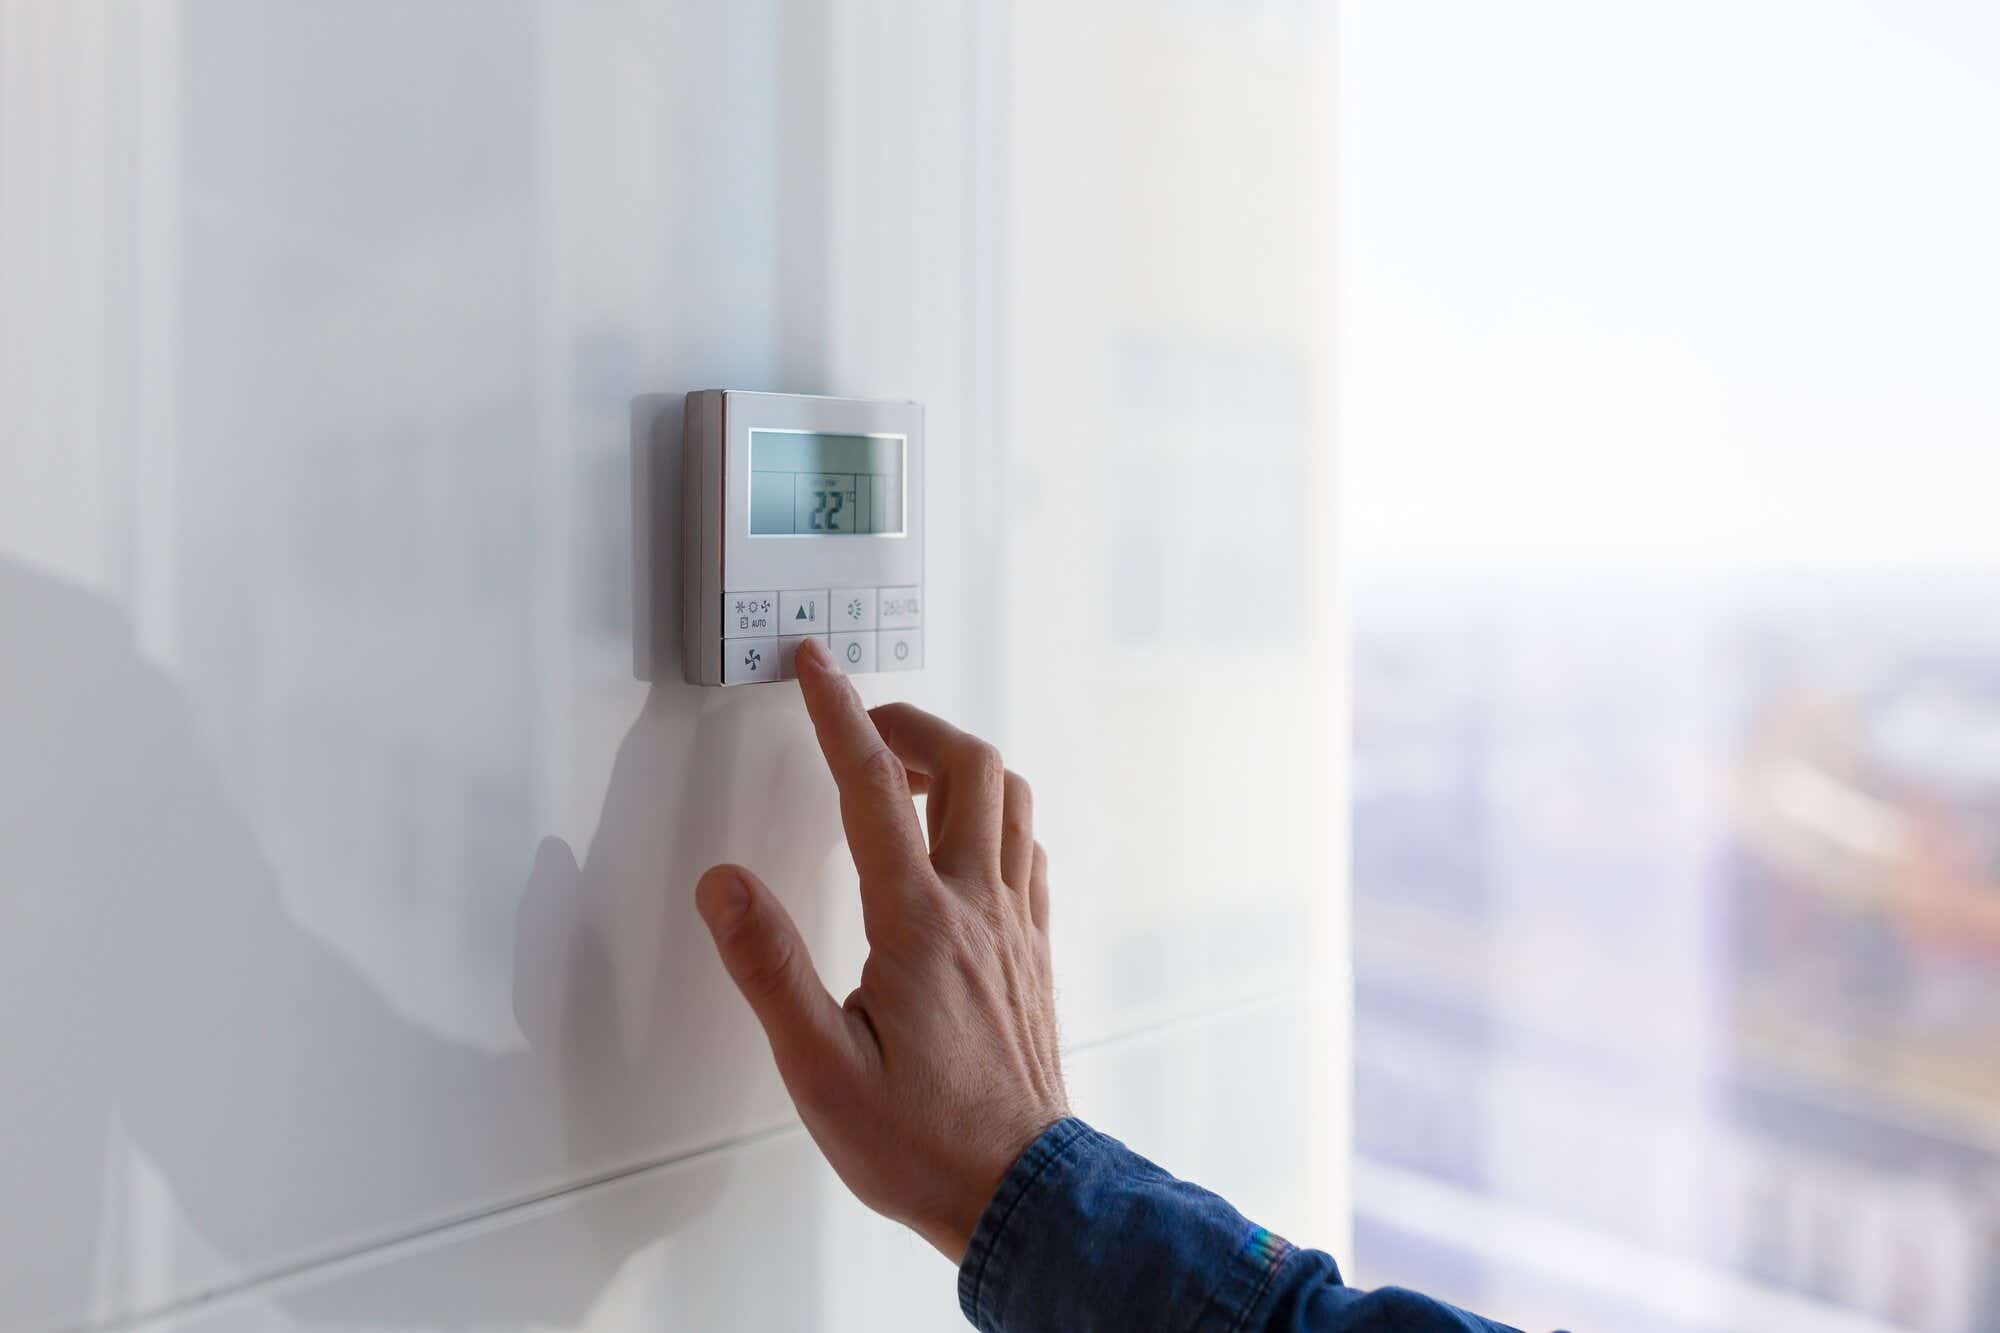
(800, 517)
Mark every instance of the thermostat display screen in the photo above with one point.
(804, 484)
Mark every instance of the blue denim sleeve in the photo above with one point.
(1086, 1234)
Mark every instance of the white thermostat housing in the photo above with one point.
(800, 517)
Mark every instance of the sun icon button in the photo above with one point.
(854, 608)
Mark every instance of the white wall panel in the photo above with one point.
(762, 1235)
(348, 869)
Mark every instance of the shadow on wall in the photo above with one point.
(368, 268)
(161, 995)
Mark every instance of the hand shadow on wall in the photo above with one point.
(162, 995)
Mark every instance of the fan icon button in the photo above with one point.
(745, 661)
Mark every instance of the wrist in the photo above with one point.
(977, 1181)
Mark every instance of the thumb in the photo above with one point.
(767, 959)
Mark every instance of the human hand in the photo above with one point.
(942, 1066)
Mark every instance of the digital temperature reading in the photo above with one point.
(808, 484)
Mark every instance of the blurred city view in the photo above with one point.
(1677, 913)
(1670, 441)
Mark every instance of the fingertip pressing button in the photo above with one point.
(788, 648)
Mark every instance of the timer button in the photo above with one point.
(747, 661)
(853, 608)
(749, 615)
(899, 650)
(854, 653)
(802, 612)
(902, 608)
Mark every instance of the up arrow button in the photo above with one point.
(803, 612)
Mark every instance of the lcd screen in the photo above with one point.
(806, 484)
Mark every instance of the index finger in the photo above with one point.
(875, 805)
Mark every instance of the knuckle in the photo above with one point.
(883, 772)
(960, 933)
(981, 759)
(925, 920)
(995, 911)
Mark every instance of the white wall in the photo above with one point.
(350, 969)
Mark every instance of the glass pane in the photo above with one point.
(1670, 420)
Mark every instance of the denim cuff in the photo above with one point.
(1085, 1234)
(987, 1258)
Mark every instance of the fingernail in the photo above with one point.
(814, 652)
(722, 898)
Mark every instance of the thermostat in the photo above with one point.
(801, 517)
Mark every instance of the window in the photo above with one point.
(1672, 441)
